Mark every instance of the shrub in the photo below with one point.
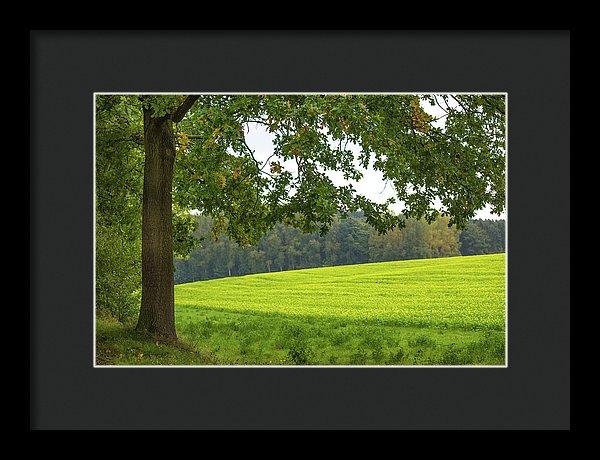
(118, 274)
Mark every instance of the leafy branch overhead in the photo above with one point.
(458, 161)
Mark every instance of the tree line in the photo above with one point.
(349, 241)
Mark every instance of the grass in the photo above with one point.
(465, 292)
(118, 343)
(420, 312)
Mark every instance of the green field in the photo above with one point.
(427, 311)
(448, 311)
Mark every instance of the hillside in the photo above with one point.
(451, 292)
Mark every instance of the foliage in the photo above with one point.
(118, 273)
(161, 105)
(184, 226)
(483, 237)
(349, 241)
(459, 161)
(119, 164)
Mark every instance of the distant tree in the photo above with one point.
(353, 241)
(384, 247)
(330, 247)
(495, 230)
(416, 240)
(500, 240)
(256, 260)
(413, 241)
(313, 253)
(443, 241)
(474, 240)
(271, 245)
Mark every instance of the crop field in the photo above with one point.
(448, 311)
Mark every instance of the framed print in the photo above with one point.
(332, 230)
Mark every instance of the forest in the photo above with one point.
(349, 241)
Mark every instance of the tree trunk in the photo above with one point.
(157, 312)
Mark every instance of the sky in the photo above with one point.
(372, 185)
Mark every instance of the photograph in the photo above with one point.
(300, 229)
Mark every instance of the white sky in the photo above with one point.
(371, 185)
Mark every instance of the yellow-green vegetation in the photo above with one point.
(447, 311)
(465, 292)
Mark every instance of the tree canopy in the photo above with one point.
(450, 168)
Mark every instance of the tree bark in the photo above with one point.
(157, 311)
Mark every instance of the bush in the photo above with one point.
(118, 274)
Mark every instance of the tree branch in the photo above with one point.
(491, 102)
(249, 150)
(461, 104)
(267, 161)
(183, 108)
(439, 105)
(258, 122)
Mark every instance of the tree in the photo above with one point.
(474, 240)
(313, 253)
(457, 161)
(330, 248)
(353, 238)
(413, 242)
(495, 229)
(272, 248)
(157, 311)
(443, 240)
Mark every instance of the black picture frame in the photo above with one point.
(67, 67)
